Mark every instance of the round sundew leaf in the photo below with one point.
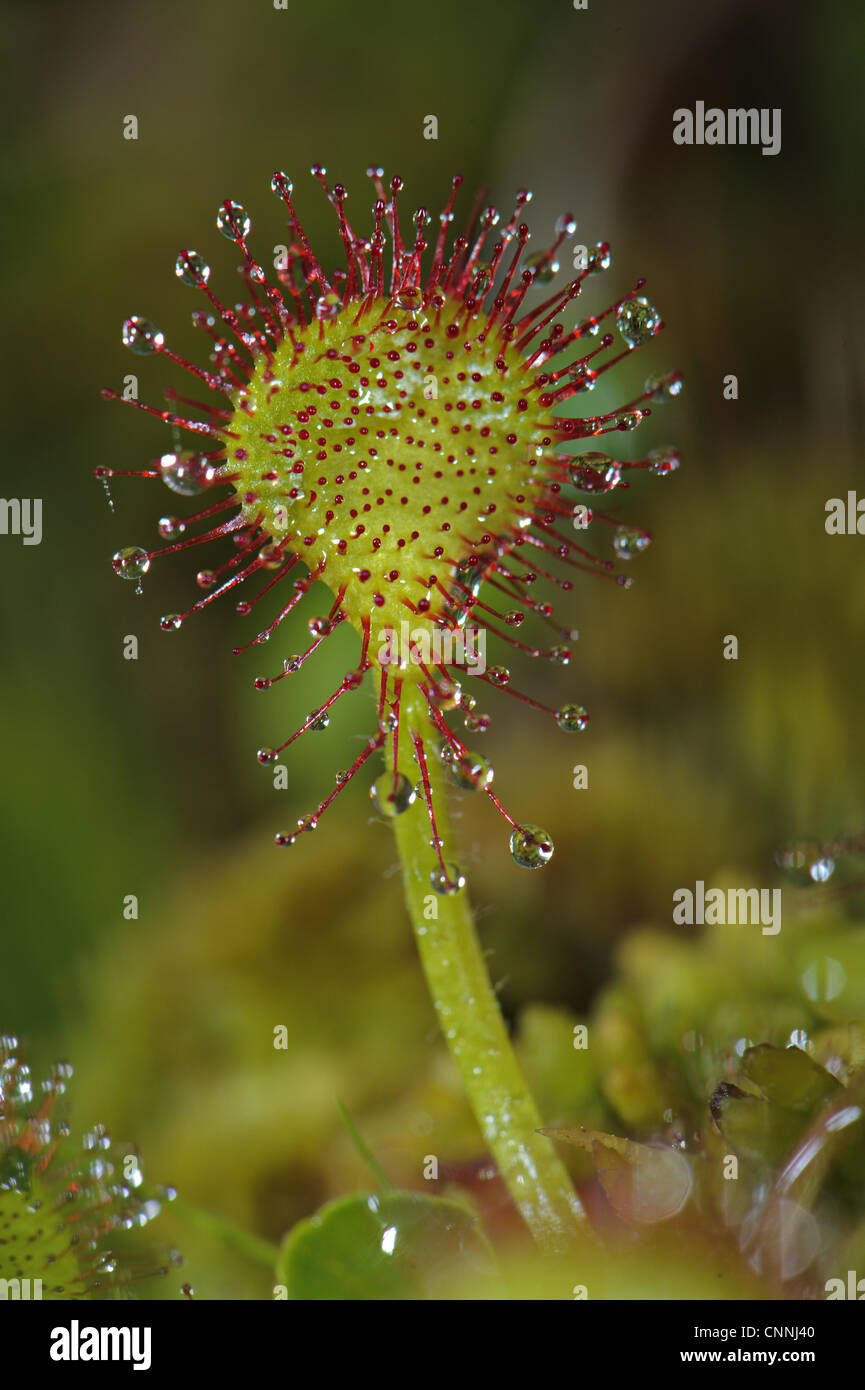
(787, 1076)
(755, 1128)
(399, 1245)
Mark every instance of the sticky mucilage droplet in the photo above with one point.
(531, 846)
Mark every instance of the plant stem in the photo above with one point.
(469, 1013)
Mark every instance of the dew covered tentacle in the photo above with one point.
(399, 433)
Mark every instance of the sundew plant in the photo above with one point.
(395, 429)
(410, 431)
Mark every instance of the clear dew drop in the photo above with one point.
(192, 269)
(320, 723)
(588, 328)
(328, 305)
(477, 723)
(410, 297)
(663, 388)
(630, 419)
(447, 754)
(599, 258)
(544, 269)
(186, 473)
(821, 869)
(560, 655)
(499, 675)
(170, 527)
(449, 693)
(205, 579)
(806, 858)
(531, 846)
(583, 378)
(470, 771)
(292, 664)
(448, 879)
(281, 183)
(131, 562)
(171, 622)
(637, 320)
(233, 221)
(574, 718)
(267, 755)
(392, 796)
(594, 472)
(629, 541)
(483, 279)
(823, 979)
(142, 336)
(271, 556)
(104, 477)
(663, 462)
(470, 576)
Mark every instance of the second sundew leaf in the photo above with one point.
(788, 1077)
(793, 1089)
(754, 1128)
(394, 1246)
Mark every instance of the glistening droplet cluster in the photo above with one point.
(63, 1203)
(397, 433)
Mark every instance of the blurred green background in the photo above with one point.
(140, 777)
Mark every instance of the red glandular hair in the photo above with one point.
(396, 434)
